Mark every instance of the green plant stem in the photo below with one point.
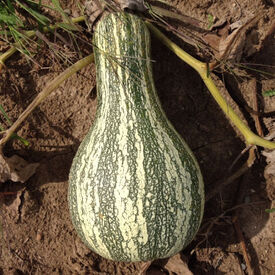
(199, 66)
(44, 93)
(31, 34)
(202, 69)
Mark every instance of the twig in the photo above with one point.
(214, 220)
(2, 194)
(173, 15)
(237, 226)
(45, 92)
(235, 220)
(232, 178)
(239, 233)
(255, 106)
(242, 190)
(239, 156)
(240, 9)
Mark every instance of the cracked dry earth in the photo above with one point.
(37, 236)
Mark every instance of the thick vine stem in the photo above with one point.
(44, 93)
(199, 66)
(202, 69)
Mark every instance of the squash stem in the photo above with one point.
(202, 69)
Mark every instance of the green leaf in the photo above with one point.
(58, 8)
(5, 115)
(270, 210)
(42, 19)
(10, 5)
(24, 141)
(19, 38)
(67, 27)
(269, 93)
(210, 18)
(7, 14)
(33, 4)
(7, 19)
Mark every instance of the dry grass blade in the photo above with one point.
(180, 17)
(192, 35)
(15, 24)
(246, 257)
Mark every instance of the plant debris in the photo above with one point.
(177, 265)
(16, 169)
(229, 41)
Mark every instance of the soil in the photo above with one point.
(37, 236)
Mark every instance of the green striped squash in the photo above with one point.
(135, 189)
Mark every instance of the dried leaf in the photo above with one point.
(229, 42)
(231, 46)
(177, 265)
(213, 40)
(16, 169)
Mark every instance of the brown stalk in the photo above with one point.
(255, 106)
(241, 194)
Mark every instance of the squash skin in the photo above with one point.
(135, 188)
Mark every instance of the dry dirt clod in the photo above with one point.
(39, 235)
(14, 207)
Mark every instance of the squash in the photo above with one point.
(135, 188)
